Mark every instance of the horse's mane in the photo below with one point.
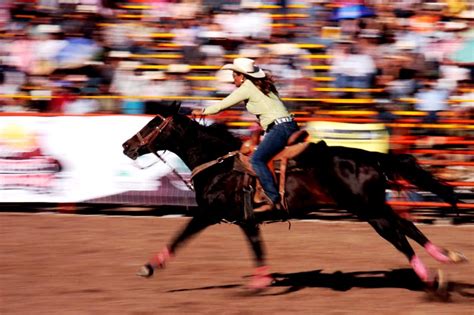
(220, 134)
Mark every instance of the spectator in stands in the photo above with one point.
(176, 82)
(154, 87)
(340, 65)
(16, 104)
(62, 95)
(463, 99)
(11, 81)
(127, 81)
(404, 85)
(186, 34)
(208, 31)
(451, 74)
(83, 105)
(432, 99)
(353, 68)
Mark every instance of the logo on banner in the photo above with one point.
(23, 165)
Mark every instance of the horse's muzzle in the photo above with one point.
(130, 151)
(131, 155)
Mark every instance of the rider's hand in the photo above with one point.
(197, 112)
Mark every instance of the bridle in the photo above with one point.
(149, 138)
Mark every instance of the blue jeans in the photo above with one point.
(273, 142)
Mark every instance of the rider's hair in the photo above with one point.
(266, 84)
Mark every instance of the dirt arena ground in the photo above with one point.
(67, 264)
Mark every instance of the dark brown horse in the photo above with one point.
(346, 178)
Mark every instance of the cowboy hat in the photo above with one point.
(245, 66)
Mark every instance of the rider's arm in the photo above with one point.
(237, 96)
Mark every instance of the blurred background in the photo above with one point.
(389, 76)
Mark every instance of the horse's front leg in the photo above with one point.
(159, 260)
(261, 278)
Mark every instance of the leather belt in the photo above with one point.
(279, 121)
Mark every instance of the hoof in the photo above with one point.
(438, 286)
(145, 271)
(457, 257)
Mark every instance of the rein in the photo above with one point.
(148, 139)
(198, 169)
(188, 184)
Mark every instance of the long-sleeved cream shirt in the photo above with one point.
(266, 107)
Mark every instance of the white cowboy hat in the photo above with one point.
(246, 66)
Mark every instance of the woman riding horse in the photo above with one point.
(344, 178)
(261, 98)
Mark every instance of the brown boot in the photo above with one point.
(267, 206)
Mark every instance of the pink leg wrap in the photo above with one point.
(261, 278)
(437, 253)
(160, 259)
(419, 268)
(262, 271)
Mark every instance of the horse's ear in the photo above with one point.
(169, 108)
(185, 111)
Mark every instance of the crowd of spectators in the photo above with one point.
(60, 56)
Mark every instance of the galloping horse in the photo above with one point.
(347, 178)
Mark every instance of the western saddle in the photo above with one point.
(278, 165)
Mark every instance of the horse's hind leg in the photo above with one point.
(388, 229)
(261, 278)
(440, 254)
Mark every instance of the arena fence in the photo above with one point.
(78, 159)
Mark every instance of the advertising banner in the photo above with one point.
(79, 159)
(370, 137)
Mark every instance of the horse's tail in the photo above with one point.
(406, 166)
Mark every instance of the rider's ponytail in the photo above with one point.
(266, 84)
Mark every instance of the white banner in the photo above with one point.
(79, 159)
